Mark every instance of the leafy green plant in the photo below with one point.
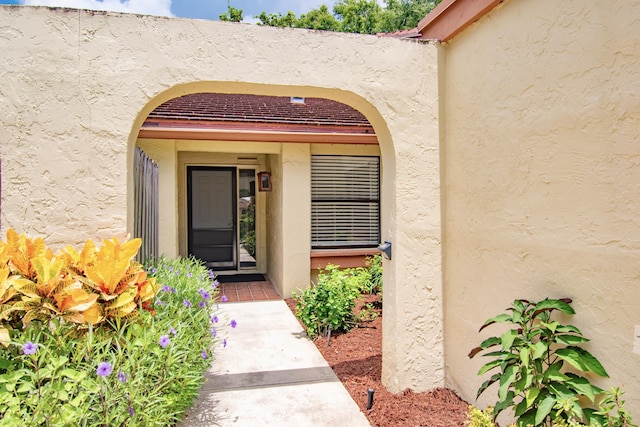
(130, 371)
(479, 418)
(530, 359)
(368, 313)
(610, 409)
(331, 302)
(373, 285)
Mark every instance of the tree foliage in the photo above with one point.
(358, 16)
(232, 15)
(318, 19)
(348, 16)
(404, 14)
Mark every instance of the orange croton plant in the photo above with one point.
(81, 287)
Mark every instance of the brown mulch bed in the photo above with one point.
(356, 358)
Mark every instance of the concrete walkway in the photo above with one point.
(270, 374)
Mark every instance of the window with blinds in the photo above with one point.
(345, 201)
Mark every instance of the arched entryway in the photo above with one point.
(277, 185)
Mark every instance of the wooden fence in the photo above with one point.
(146, 194)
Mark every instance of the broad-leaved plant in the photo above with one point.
(528, 363)
(85, 287)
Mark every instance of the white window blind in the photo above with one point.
(345, 201)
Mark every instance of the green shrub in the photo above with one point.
(611, 412)
(374, 268)
(611, 407)
(144, 371)
(331, 302)
(368, 313)
(530, 361)
(479, 418)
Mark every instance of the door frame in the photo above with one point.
(257, 161)
(234, 190)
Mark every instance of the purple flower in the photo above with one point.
(189, 274)
(204, 354)
(213, 332)
(215, 284)
(172, 290)
(224, 342)
(122, 377)
(214, 319)
(223, 298)
(154, 270)
(161, 303)
(166, 288)
(29, 348)
(104, 369)
(187, 303)
(211, 275)
(206, 295)
(164, 341)
(201, 304)
(233, 323)
(130, 409)
(177, 273)
(172, 330)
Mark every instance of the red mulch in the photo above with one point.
(356, 358)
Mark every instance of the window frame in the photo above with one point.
(372, 220)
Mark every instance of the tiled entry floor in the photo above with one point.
(249, 291)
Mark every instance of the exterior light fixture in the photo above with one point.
(370, 398)
(385, 248)
(264, 181)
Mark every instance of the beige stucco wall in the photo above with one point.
(541, 177)
(275, 223)
(295, 216)
(77, 85)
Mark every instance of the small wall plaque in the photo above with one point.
(264, 181)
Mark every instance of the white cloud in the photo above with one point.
(250, 19)
(144, 7)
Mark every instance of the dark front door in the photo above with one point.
(212, 215)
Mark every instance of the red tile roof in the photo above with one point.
(258, 112)
(411, 33)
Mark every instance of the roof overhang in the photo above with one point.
(244, 135)
(452, 16)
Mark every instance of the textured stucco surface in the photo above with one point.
(541, 194)
(76, 86)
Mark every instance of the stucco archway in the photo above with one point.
(288, 221)
(109, 70)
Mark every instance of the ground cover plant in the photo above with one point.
(529, 363)
(90, 339)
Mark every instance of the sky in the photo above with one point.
(199, 9)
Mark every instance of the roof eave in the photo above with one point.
(450, 17)
(256, 136)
